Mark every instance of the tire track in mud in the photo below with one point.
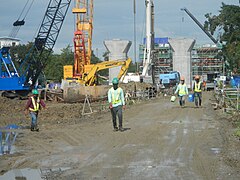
(164, 141)
(177, 154)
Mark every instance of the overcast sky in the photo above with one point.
(114, 19)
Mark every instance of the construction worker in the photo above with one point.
(116, 103)
(32, 107)
(197, 89)
(182, 91)
(204, 85)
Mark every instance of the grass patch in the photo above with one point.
(237, 132)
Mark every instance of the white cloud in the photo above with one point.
(114, 19)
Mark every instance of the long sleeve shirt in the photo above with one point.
(30, 104)
(181, 90)
(118, 93)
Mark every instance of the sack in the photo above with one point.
(191, 97)
(173, 98)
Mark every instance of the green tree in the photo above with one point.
(54, 67)
(19, 52)
(228, 24)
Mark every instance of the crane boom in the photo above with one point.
(46, 38)
(36, 59)
(200, 25)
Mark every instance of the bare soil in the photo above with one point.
(160, 141)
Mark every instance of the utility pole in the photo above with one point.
(135, 44)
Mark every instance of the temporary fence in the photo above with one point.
(228, 98)
(7, 138)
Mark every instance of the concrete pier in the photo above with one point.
(182, 60)
(118, 50)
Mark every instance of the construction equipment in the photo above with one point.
(82, 36)
(24, 78)
(200, 25)
(148, 62)
(83, 71)
(170, 79)
(18, 23)
(89, 78)
(210, 75)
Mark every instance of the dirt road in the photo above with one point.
(160, 141)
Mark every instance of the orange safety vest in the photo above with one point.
(35, 105)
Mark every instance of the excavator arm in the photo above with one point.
(91, 76)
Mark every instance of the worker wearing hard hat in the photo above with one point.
(33, 106)
(182, 91)
(116, 103)
(197, 89)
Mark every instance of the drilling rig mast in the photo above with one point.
(82, 36)
(148, 70)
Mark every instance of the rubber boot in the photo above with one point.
(32, 127)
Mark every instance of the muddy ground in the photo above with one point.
(160, 141)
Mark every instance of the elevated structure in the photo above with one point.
(206, 59)
(182, 61)
(118, 50)
(163, 62)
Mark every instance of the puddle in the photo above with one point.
(216, 150)
(32, 174)
(7, 139)
(22, 174)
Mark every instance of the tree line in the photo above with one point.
(227, 25)
(54, 68)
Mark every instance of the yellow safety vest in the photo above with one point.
(182, 89)
(116, 100)
(197, 87)
(35, 105)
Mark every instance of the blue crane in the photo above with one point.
(25, 77)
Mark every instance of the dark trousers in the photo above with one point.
(181, 100)
(198, 98)
(117, 111)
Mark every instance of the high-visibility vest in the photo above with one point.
(35, 105)
(182, 89)
(116, 100)
(197, 87)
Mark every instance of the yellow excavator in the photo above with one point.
(90, 77)
(83, 71)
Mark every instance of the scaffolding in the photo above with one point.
(206, 59)
(163, 61)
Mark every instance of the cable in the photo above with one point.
(17, 24)
(29, 9)
(23, 9)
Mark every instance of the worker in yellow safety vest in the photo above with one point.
(182, 91)
(197, 89)
(116, 104)
(32, 107)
